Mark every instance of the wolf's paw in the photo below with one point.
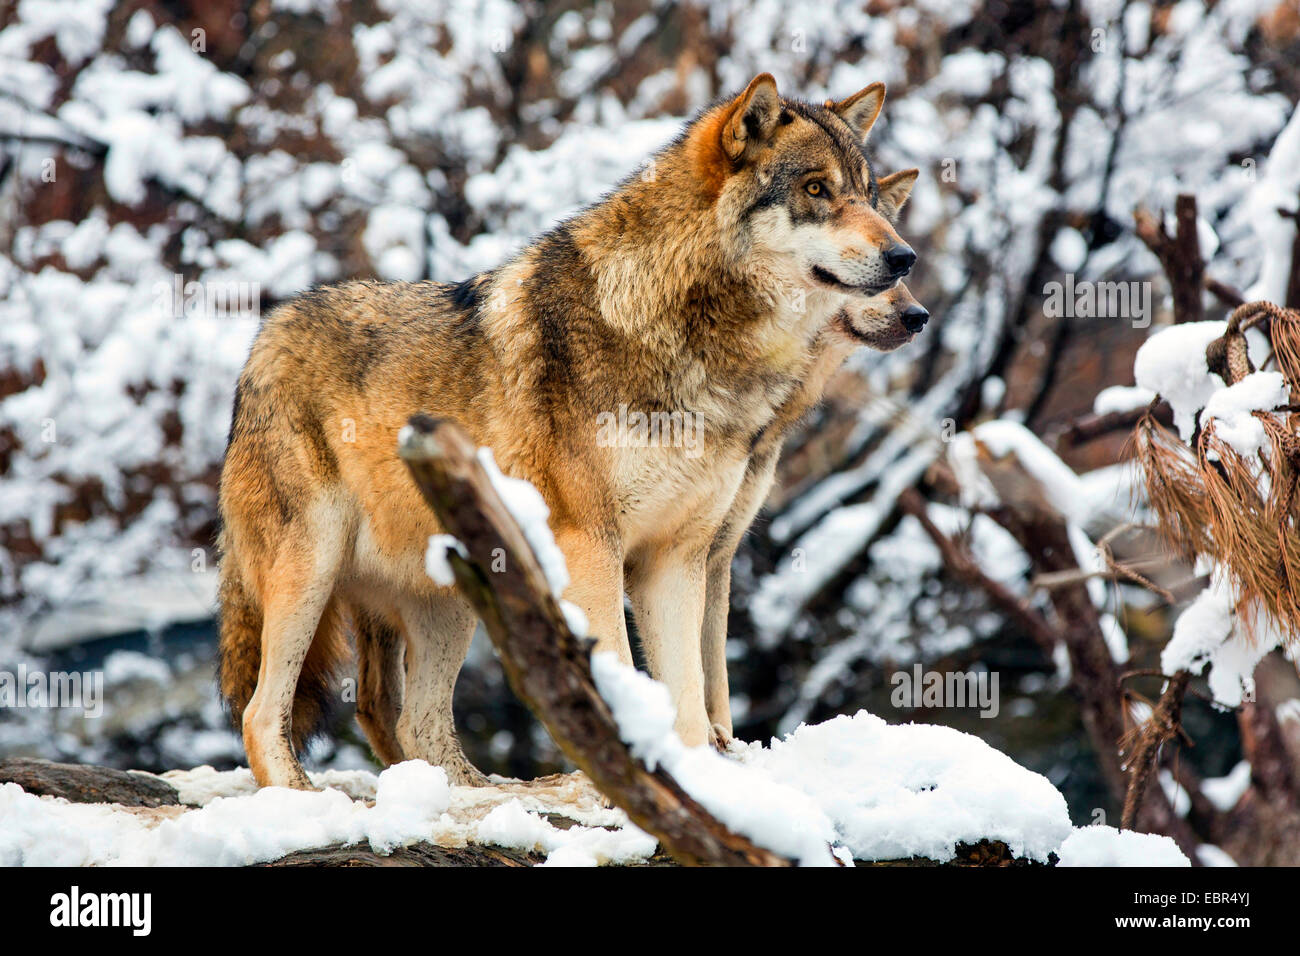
(466, 775)
(572, 786)
(595, 793)
(719, 737)
(294, 781)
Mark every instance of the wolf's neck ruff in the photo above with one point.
(664, 279)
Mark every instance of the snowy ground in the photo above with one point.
(852, 788)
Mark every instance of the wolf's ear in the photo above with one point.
(861, 109)
(894, 190)
(754, 114)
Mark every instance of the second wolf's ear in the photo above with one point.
(754, 115)
(894, 190)
(861, 109)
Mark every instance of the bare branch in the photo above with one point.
(1144, 752)
(960, 563)
(1179, 255)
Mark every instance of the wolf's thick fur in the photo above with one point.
(725, 286)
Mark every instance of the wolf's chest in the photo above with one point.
(673, 492)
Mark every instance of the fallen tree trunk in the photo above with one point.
(417, 855)
(986, 853)
(548, 668)
(85, 784)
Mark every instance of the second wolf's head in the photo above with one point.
(883, 322)
(796, 194)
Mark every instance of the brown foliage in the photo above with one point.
(1240, 510)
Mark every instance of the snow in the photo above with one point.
(774, 815)
(230, 822)
(527, 506)
(529, 509)
(896, 791)
(1106, 846)
(827, 548)
(525, 503)
(1070, 249)
(1207, 634)
(880, 791)
(1121, 398)
(851, 788)
(1264, 207)
(1210, 855)
(431, 74)
(897, 624)
(1171, 363)
(1000, 438)
(512, 826)
(1224, 792)
(227, 831)
(436, 564)
(1206, 623)
(1230, 409)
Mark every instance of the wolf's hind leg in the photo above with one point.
(438, 634)
(299, 592)
(380, 677)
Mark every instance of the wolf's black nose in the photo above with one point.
(915, 317)
(899, 258)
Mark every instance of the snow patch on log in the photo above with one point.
(1106, 846)
(868, 789)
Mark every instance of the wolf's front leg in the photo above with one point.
(596, 586)
(667, 591)
(717, 604)
(713, 647)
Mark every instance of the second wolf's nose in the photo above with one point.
(899, 258)
(915, 317)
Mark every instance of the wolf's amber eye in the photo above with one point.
(815, 188)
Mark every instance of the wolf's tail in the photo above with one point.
(241, 657)
(240, 647)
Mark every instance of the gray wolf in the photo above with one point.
(761, 252)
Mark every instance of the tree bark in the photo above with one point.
(85, 784)
(1179, 255)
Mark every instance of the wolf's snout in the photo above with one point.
(899, 258)
(915, 316)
